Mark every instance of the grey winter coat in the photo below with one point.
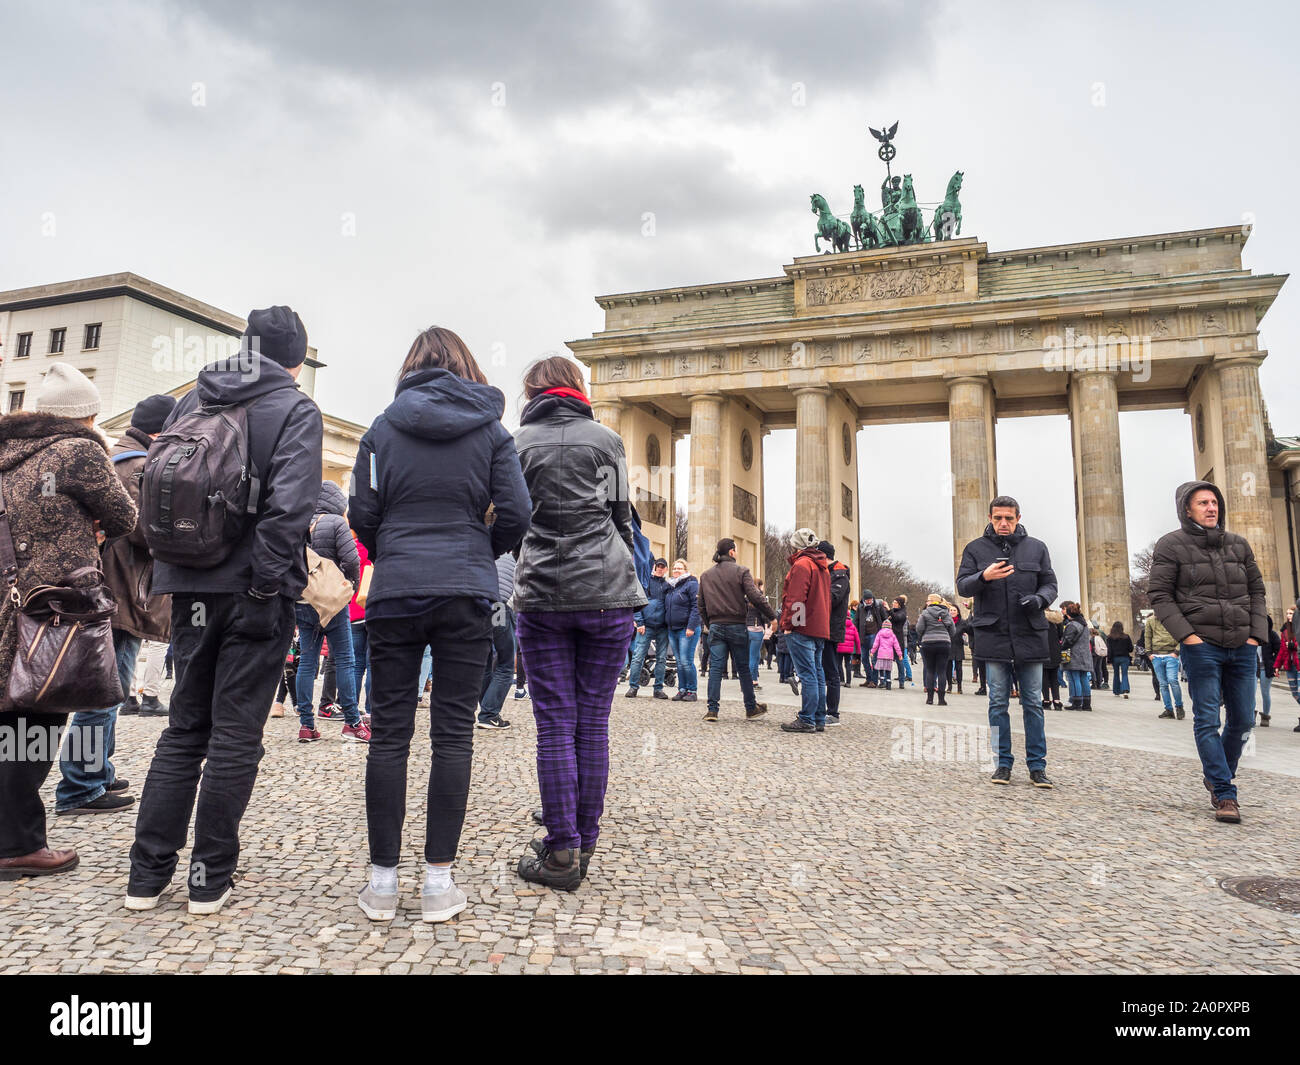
(330, 535)
(1076, 638)
(1205, 581)
(934, 627)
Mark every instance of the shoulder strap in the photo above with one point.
(129, 455)
(8, 560)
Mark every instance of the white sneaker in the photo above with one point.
(144, 902)
(376, 906)
(206, 909)
(444, 906)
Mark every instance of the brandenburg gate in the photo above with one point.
(942, 331)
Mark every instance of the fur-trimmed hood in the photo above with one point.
(24, 433)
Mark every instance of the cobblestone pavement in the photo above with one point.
(876, 846)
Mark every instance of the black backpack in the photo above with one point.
(199, 491)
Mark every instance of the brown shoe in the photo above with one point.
(1226, 810)
(44, 862)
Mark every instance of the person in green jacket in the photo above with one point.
(1163, 650)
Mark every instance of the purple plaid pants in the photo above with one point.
(573, 661)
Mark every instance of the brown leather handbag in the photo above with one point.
(65, 658)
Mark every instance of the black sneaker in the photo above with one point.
(630, 693)
(1001, 775)
(1039, 778)
(661, 694)
(537, 817)
(151, 707)
(496, 722)
(1167, 714)
(330, 711)
(832, 719)
(130, 705)
(797, 725)
(120, 784)
(1183, 713)
(561, 870)
(108, 803)
(821, 727)
(689, 697)
(680, 697)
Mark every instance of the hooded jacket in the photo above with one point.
(1002, 630)
(128, 566)
(1206, 581)
(427, 472)
(807, 593)
(841, 585)
(934, 627)
(885, 647)
(284, 444)
(57, 482)
(330, 536)
(579, 551)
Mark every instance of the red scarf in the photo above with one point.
(572, 393)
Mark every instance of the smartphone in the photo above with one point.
(1003, 561)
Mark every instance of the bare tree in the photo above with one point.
(681, 539)
(1139, 573)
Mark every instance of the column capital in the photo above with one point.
(1254, 358)
(967, 379)
(693, 396)
(801, 389)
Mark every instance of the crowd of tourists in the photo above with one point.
(466, 559)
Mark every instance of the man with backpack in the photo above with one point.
(94, 787)
(229, 489)
(840, 583)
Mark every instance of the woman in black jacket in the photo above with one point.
(437, 496)
(1052, 667)
(575, 593)
(1119, 650)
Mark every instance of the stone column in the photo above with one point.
(974, 467)
(1245, 478)
(609, 413)
(1099, 499)
(812, 484)
(704, 508)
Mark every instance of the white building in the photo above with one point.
(134, 338)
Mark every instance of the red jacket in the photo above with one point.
(807, 587)
(1288, 656)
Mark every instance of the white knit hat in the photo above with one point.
(68, 393)
(802, 539)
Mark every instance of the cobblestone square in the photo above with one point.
(726, 848)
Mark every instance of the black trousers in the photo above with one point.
(935, 661)
(22, 813)
(225, 681)
(1051, 682)
(831, 667)
(459, 634)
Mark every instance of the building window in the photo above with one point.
(91, 340)
(24, 345)
(57, 339)
(16, 399)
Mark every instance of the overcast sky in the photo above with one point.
(487, 167)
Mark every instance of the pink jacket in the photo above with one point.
(885, 647)
(355, 612)
(852, 644)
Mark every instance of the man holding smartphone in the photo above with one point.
(1008, 575)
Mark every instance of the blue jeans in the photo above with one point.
(755, 651)
(499, 673)
(310, 638)
(904, 669)
(684, 650)
(1221, 675)
(640, 645)
(360, 659)
(1293, 682)
(807, 654)
(1079, 681)
(88, 777)
(1119, 674)
(1165, 667)
(1029, 682)
(729, 640)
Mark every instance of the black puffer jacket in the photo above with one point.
(577, 554)
(1205, 581)
(330, 536)
(1001, 629)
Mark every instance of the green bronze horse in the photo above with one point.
(866, 230)
(830, 228)
(947, 219)
(913, 227)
